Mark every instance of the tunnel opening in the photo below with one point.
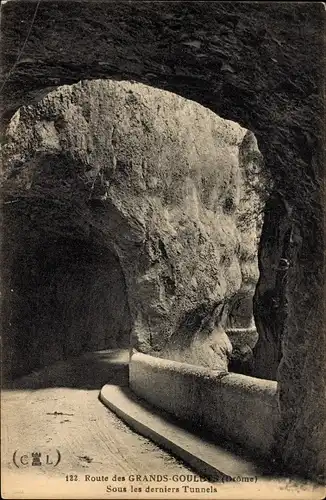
(65, 295)
(83, 272)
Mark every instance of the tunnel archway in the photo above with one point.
(67, 296)
(134, 217)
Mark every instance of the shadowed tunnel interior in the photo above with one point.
(90, 370)
(69, 296)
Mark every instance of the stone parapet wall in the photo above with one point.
(228, 405)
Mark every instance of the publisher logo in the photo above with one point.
(36, 458)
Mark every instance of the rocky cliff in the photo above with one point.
(136, 212)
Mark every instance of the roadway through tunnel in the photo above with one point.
(58, 408)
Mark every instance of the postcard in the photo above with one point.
(162, 256)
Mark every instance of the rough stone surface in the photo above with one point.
(161, 183)
(243, 341)
(259, 65)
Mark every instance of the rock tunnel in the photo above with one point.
(123, 220)
(242, 63)
(65, 296)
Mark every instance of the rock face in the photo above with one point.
(139, 213)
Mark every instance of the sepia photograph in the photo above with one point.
(163, 216)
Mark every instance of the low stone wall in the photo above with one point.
(234, 406)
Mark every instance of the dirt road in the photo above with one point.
(58, 409)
